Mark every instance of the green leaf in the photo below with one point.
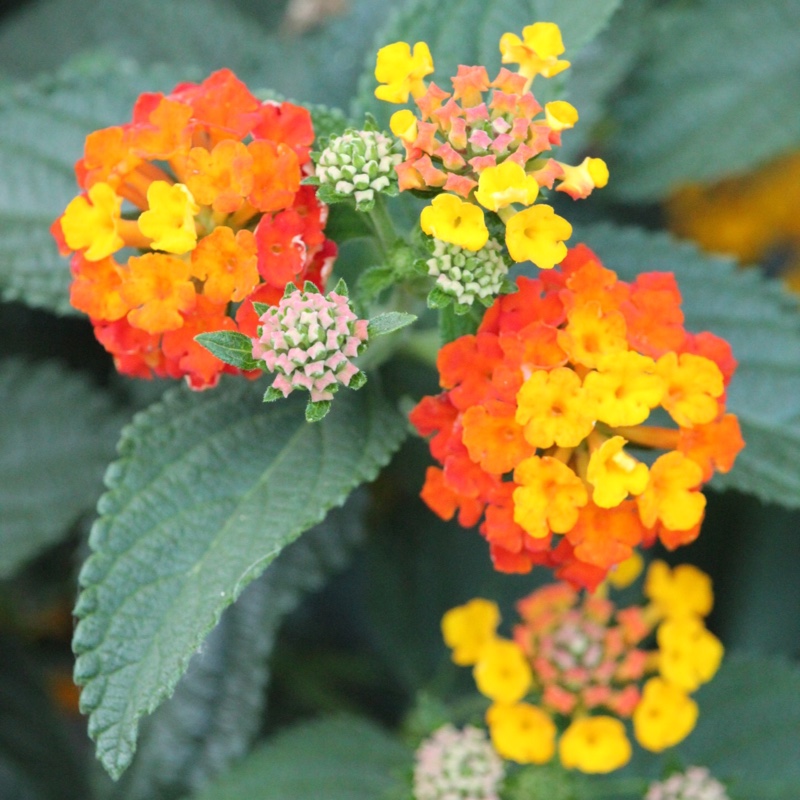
(761, 322)
(343, 758)
(231, 347)
(208, 490)
(345, 223)
(218, 705)
(453, 324)
(748, 730)
(389, 323)
(211, 35)
(37, 757)
(469, 31)
(698, 108)
(57, 433)
(42, 129)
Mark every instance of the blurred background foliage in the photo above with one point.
(694, 107)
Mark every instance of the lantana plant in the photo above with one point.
(341, 337)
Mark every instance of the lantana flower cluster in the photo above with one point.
(483, 147)
(549, 414)
(204, 184)
(577, 669)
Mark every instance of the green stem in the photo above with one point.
(422, 345)
(382, 224)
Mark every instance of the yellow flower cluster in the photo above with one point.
(569, 660)
(488, 155)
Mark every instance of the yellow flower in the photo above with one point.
(665, 716)
(505, 184)
(626, 572)
(679, 592)
(672, 494)
(688, 653)
(578, 181)
(560, 115)
(502, 672)
(403, 125)
(93, 223)
(614, 474)
(169, 222)
(453, 220)
(402, 71)
(693, 385)
(549, 496)
(469, 628)
(522, 733)
(595, 745)
(537, 234)
(624, 389)
(552, 407)
(537, 52)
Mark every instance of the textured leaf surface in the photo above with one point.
(42, 130)
(762, 323)
(208, 490)
(717, 94)
(748, 733)
(345, 758)
(218, 704)
(37, 759)
(468, 32)
(198, 33)
(322, 66)
(57, 433)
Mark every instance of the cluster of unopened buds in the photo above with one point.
(577, 669)
(540, 428)
(482, 148)
(205, 185)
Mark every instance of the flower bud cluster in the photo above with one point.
(309, 340)
(358, 164)
(464, 276)
(696, 783)
(454, 764)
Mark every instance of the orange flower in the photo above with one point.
(227, 264)
(158, 288)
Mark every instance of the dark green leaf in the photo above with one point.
(57, 433)
(373, 281)
(717, 94)
(42, 130)
(389, 323)
(197, 33)
(452, 324)
(344, 758)
(231, 347)
(208, 489)
(761, 322)
(218, 705)
(345, 223)
(37, 758)
(469, 31)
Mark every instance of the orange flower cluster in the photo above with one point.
(204, 185)
(543, 405)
